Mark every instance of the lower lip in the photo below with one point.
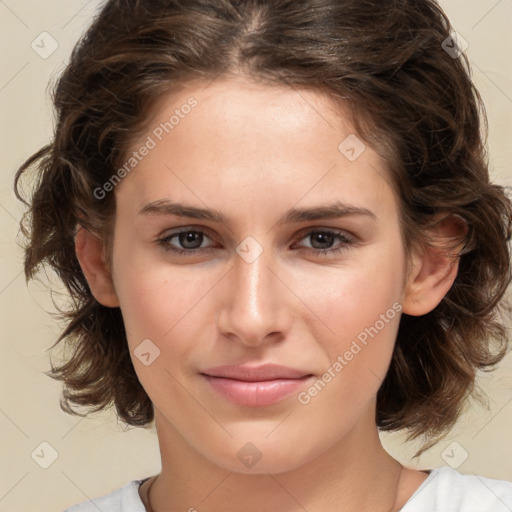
(256, 394)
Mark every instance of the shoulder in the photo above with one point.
(447, 490)
(125, 499)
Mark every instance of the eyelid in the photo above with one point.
(168, 233)
(346, 240)
(171, 233)
(328, 229)
(185, 229)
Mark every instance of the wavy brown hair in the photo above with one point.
(414, 102)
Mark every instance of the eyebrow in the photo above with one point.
(294, 215)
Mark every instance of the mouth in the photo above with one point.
(255, 386)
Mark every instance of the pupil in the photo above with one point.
(189, 239)
(325, 238)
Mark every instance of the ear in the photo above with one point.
(90, 251)
(434, 267)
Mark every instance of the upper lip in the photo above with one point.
(255, 373)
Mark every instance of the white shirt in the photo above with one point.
(444, 490)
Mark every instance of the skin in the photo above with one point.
(253, 152)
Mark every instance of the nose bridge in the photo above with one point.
(253, 284)
(255, 306)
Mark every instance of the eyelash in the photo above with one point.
(346, 240)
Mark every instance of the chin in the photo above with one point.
(264, 466)
(255, 458)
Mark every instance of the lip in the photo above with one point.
(255, 386)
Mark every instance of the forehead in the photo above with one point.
(246, 140)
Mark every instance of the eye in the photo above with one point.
(186, 241)
(189, 241)
(322, 240)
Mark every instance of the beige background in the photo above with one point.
(95, 455)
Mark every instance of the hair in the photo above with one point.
(409, 98)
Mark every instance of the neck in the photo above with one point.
(356, 473)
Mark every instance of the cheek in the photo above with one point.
(361, 306)
(358, 357)
(162, 305)
(349, 299)
(151, 298)
(361, 348)
(156, 300)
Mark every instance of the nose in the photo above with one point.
(254, 310)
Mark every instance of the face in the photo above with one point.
(285, 249)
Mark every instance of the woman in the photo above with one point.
(276, 222)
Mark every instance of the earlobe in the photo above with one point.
(90, 253)
(434, 267)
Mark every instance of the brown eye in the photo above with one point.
(188, 241)
(323, 241)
